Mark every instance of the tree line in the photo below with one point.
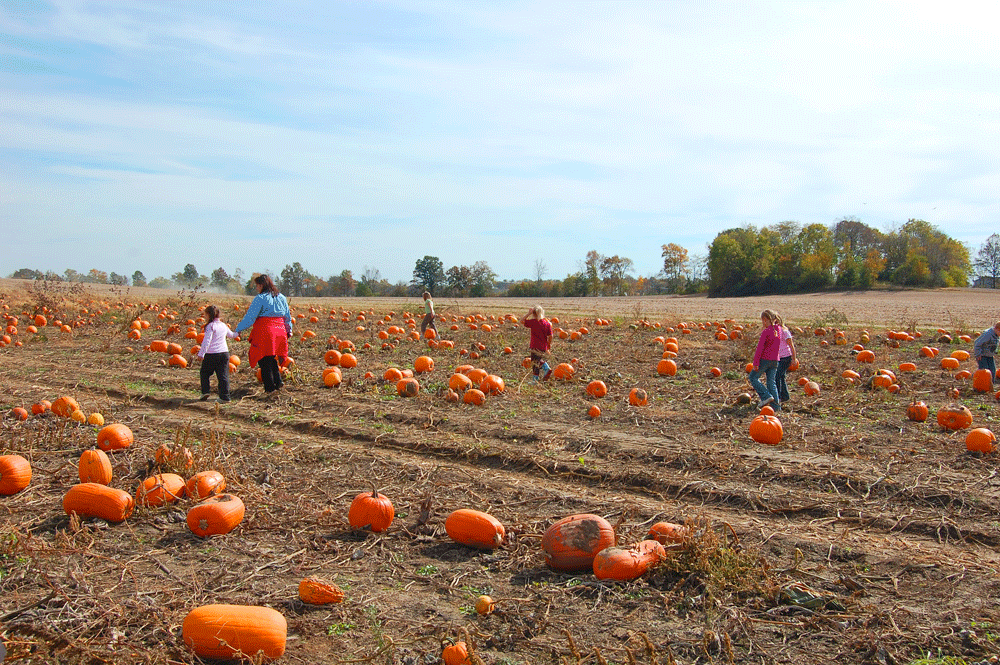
(782, 258)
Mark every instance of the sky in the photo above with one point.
(366, 135)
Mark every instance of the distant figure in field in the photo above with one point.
(786, 359)
(271, 320)
(541, 341)
(428, 321)
(765, 360)
(985, 348)
(214, 354)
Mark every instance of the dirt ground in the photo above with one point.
(862, 537)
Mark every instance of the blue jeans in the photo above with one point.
(770, 368)
(779, 378)
(987, 362)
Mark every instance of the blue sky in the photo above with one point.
(353, 135)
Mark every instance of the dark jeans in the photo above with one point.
(270, 374)
(779, 378)
(769, 368)
(218, 364)
(428, 322)
(987, 362)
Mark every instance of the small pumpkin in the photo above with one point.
(115, 436)
(666, 367)
(455, 654)
(407, 387)
(423, 364)
(216, 515)
(766, 429)
(492, 385)
(628, 563)
(204, 484)
(638, 397)
(474, 528)
(982, 381)
(474, 396)
(954, 417)
(65, 406)
(95, 467)
(571, 543)
(19, 412)
(597, 388)
(15, 474)
(594, 412)
(179, 457)
(917, 412)
(866, 356)
(96, 500)
(981, 440)
(230, 632)
(668, 533)
(160, 489)
(485, 605)
(316, 591)
(371, 510)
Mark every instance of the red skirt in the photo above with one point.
(268, 338)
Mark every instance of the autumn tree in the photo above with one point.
(138, 279)
(428, 273)
(675, 266)
(614, 270)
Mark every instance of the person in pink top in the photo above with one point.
(214, 354)
(541, 341)
(786, 359)
(765, 360)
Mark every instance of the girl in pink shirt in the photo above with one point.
(765, 360)
(541, 341)
(786, 359)
(214, 353)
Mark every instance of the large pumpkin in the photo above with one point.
(65, 406)
(572, 543)
(981, 440)
(160, 489)
(371, 510)
(474, 528)
(95, 467)
(668, 533)
(216, 515)
(204, 484)
(628, 563)
(15, 474)
(115, 436)
(96, 500)
(229, 632)
(982, 381)
(954, 417)
(766, 429)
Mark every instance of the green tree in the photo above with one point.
(120, 280)
(27, 273)
(160, 283)
(459, 280)
(613, 271)
(138, 279)
(345, 284)
(189, 277)
(428, 273)
(221, 279)
(483, 280)
(295, 279)
(675, 266)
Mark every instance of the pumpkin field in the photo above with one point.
(141, 524)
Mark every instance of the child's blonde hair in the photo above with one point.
(771, 315)
(427, 295)
(539, 312)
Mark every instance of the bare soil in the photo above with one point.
(862, 538)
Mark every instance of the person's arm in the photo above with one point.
(229, 332)
(758, 352)
(791, 345)
(977, 348)
(288, 315)
(252, 312)
(206, 340)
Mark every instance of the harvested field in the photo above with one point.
(862, 537)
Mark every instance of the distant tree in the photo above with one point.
(854, 238)
(294, 279)
(221, 279)
(346, 285)
(27, 273)
(428, 273)
(988, 259)
(189, 277)
(138, 279)
(53, 276)
(675, 265)
(71, 275)
(483, 280)
(540, 269)
(160, 283)
(614, 270)
(591, 268)
(120, 280)
(459, 280)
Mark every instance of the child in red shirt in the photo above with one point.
(541, 341)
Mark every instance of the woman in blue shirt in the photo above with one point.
(271, 323)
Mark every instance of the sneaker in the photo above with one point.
(547, 376)
(223, 401)
(547, 371)
(764, 402)
(204, 397)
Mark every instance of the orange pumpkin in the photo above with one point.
(563, 372)
(20, 413)
(866, 356)
(954, 417)
(115, 436)
(982, 381)
(981, 440)
(95, 467)
(492, 385)
(594, 411)
(160, 489)
(455, 654)
(96, 500)
(459, 382)
(917, 412)
(204, 484)
(766, 429)
(316, 591)
(666, 367)
(423, 364)
(216, 515)
(668, 533)
(638, 397)
(474, 396)
(65, 406)
(474, 528)
(371, 510)
(628, 563)
(571, 543)
(407, 387)
(230, 632)
(15, 474)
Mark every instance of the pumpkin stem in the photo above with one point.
(374, 489)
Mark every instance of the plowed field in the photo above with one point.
(863, 537)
